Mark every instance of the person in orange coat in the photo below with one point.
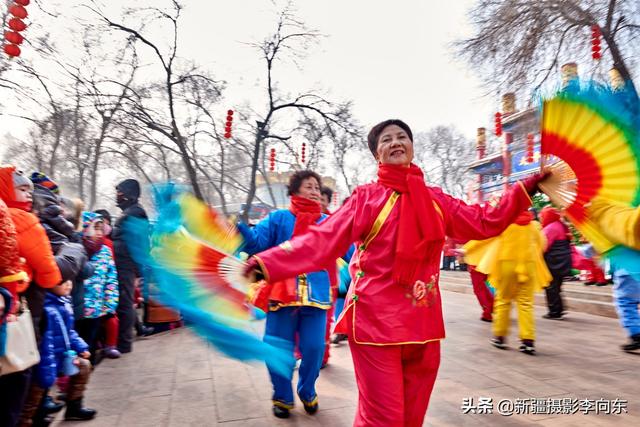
(40, 265)
(11, 274)
(33, 245)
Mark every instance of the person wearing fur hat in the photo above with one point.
(127, 195)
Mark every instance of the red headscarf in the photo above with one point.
(549, 214)
(524, 218)
(307, 212)
(421, 228)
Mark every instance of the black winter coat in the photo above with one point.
(124, 262)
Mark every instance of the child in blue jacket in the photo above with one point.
(62, 353)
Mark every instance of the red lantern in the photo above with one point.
(11, 50)
(18, 11)
(498, 124)
(530, 148)
(16, 24)
(272, 160)
(13, 37)
(303, 152)
(23, 2)
(596, 34)
(227, 125)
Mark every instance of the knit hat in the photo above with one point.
(130, 188)
(19, 179)
(88, 218)
(45, 181)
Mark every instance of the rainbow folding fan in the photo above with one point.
(589, 141)
(191, 260)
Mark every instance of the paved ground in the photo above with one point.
(173, 379)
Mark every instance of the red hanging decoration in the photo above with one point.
(16, 24)
(23, 2)
(303, 152)
(596, 34)
(530, 147)
(18, 11)
(335, 198)
(13, 37)
(11, 50)
(498, 124)
(272, 160)
(227, 125)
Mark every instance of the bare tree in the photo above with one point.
(446, 154)
(165, 121)
(519, 43)
(290, 40)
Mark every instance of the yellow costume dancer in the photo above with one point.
(618, 222)
(515, 265)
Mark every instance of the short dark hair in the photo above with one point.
(295, 181)
(374, 133)
(327, 192)
(104, 213)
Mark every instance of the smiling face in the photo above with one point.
(310, 189)
(394, 146)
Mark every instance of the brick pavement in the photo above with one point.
(173, 379)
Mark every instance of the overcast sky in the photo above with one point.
(392, 59)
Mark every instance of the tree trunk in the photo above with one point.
(254, 168)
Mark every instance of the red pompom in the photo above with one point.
(227, 135)
(18, 11)
(16, 24)
(229, 112)
(596, 55)
(13, 37)
(23, 2)
(12, 50)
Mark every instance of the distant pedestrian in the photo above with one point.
(127, 196)
(557, 255)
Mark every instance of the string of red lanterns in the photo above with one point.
(16, 25)
(596, 34)
(303, 152)
(272, 160)
(498, 124)
(227, 125)
(530, 148)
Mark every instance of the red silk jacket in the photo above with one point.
(383, 312)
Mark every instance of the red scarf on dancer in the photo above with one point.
(421, 228)
(307, 212)
(524, 218)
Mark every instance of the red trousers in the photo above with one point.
(484, 295)
(594, 273)
(327, 334)
(394, 382)
(111, 326)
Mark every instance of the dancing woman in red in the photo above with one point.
(393, 314)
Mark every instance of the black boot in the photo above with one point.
(51, 406)
(633, 345)
(527, 347)
(311, 407)
(280, 412)
(43, 421)
(75, 411)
